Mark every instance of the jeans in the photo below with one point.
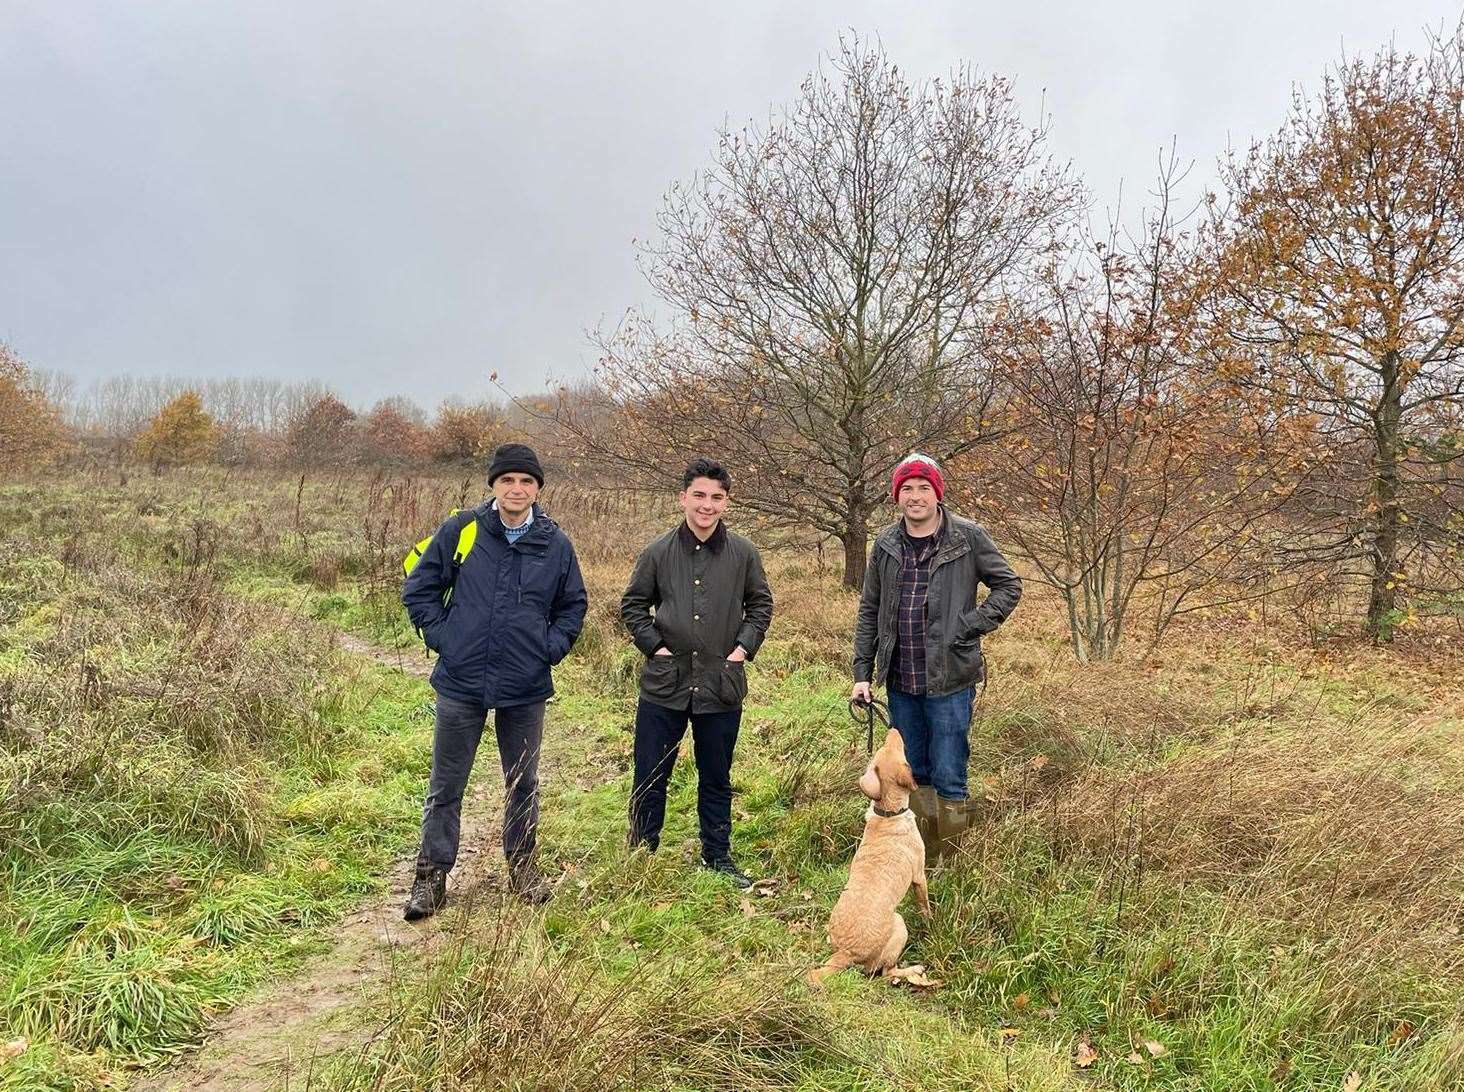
(455, 737)
(658, 733)
(936, 732)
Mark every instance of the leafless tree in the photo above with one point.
(829, 279)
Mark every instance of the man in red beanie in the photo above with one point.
(919, 633)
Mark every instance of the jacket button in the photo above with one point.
(696, 617)
(693, 652)
(694, 689)
(697, 582)
(698, 547)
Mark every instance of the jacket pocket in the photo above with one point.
(438, 636)
(966, 663)
(660, 678)
(732, 683)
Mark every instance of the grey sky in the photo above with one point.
(400, 198)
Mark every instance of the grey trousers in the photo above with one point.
(459, 728)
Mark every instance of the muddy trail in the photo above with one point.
(273, 1038)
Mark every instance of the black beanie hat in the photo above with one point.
(515, 459)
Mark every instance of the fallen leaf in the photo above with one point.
(1021, 1001)
(320, 864)
(14, 1049)
(1135, 1058)
(765, 887)
(914, 976)
(1352, 1082)
(604, 925)
(1008, 1034)
(1282, 1070)
(1155, 1048)
(1038, 761)
(1085, 1053)
(747, 908)
(1404, 1030)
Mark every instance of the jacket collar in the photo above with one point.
(690, 541)
(541, 527)
(951, 545)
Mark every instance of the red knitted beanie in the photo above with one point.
(918, 466)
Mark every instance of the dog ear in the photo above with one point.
(904, 776)
(869, 784)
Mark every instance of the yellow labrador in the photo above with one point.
(865, 929)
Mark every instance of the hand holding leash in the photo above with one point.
(864, 707)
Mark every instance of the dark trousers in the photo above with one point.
(658, 733)
(459, 728)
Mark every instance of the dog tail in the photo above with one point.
(837, 962)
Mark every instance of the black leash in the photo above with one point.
(866, 711)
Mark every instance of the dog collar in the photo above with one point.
(888, 814)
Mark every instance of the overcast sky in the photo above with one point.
(402, 197)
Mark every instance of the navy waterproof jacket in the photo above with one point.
(514, 613)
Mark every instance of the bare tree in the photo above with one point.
(829, 278)
(1339, 284)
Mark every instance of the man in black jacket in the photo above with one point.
(698, 607)
(919, 631)
(516, 606)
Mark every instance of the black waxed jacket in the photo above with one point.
(954, 622)
(699, 601)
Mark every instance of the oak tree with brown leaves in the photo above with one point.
(1338, 283)
(1130, 477)
(30, 427)
(181, 434)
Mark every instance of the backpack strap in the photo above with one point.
(467, 536)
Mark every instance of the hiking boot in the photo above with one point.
(429, 895)
(528, 883)
(727, 867)
(923, 804)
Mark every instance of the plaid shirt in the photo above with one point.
(917, 559)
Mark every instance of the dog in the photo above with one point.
(865, 929)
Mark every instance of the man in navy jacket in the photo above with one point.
(517, 605)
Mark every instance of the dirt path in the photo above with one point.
(269, 1041)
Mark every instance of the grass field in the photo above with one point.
(1239, 865)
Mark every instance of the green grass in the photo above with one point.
(1267, 922)
(192, 789)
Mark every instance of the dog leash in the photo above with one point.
(866, 711)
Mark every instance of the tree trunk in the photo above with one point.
(1383, 599)
(856, 545)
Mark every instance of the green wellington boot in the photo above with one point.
(950, 821)
(922, 803)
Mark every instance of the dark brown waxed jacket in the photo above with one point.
(954, 621)
(699, 601)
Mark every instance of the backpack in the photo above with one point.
(467, 535)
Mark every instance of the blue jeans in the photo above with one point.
(936, 734)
